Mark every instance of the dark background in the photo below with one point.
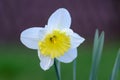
(87, 15)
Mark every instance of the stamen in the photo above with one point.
(53, 39)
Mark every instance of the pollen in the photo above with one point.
(55, 44)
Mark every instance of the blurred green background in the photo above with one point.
(20, 63)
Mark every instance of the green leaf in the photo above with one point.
(116, 67)
(97, 52)
(95, 45)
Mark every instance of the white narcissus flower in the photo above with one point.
(55, 40)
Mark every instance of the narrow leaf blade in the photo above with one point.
(97, 51)
(116, 67)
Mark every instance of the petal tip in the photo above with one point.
(45, 62)
(60, 19)
(63, 9)
(82, 39)
(43, 67)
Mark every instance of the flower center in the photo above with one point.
(54, 44)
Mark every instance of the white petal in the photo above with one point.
(69, 56)
(31, 36)
(76, 40)
(45, 61)
(60, 19)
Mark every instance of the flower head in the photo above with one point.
(55, 40)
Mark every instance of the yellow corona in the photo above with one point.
(55, 44)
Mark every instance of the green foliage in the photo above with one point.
(97, 51)
(116, 67)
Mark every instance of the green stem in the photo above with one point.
(59, 68)
(74, 69)
(56, 70)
